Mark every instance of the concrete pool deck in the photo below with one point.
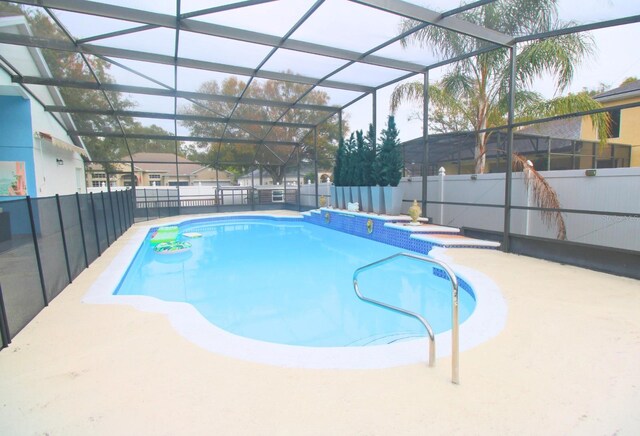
(567, 362)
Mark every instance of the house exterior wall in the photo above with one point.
(53, 178)
(16, 140)
(629, 128)
(20, 118)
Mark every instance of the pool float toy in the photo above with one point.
(173, 247)
(165, 234)
(192, 235)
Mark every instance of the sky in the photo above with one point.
(341, 23)
(615, 59)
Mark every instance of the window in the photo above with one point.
(99, 175)
(614, 128)
(96, 183)
(154, 176)
(277, 196)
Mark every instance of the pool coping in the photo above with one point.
(487, 321)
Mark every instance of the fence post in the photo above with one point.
(104, 214)
(37, 250)
(298, 186)
(125, 212)
(441, 173)
(84, 243)
(133, 202)
(95, 223)
(118, 214)
(64, 239)
(4, 324)
(113, 217)
(253, 206)
(146, 204)
(128, 202)
(127, 209)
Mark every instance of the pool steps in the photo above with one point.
(395, 230)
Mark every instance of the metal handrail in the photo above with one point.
(455, 374)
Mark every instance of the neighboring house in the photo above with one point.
(37, 157)
(291, 174)
(566, 147)
(625, 126)
(158, 169)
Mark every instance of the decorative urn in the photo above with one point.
(414, 213)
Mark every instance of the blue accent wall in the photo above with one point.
(16, 136)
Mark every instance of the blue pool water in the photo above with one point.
(290, 282)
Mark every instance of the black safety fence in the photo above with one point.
(154, 202)
(45, 243)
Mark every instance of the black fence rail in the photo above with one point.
(154, 203)
(45, 243)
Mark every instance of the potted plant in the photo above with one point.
(352, 171)
(366, 158)
(338, 176)
(379, 181)
(390, 164)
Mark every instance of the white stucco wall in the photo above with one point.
(51, 178)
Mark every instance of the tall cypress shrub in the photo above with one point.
(389, 161)
(348, 167)
(340, 161)
(357, 160)
(367, 158)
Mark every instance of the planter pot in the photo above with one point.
(340, 197)
(355, 196)
(346, 197)
(365, 198)
(334, 196)
(393, 199)
(377, 199)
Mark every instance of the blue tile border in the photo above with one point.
(357, 226)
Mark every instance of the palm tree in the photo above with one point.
(473, 94)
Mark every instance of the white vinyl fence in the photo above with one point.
(308, 194)
(610, 190)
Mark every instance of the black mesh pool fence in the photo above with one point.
(46, 242)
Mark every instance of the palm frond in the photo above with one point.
(406, 92)
(544, 195)
(557, 56)
(580, 102)
(524, 17)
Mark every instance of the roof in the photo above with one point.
(156, 54)
(631, 89)
(565, 128)
(155, 163)
(305, 168)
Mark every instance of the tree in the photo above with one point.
(389, 161)
(340, 161)
(473, 94)
(347, 171)
(240, 156)
(367, 157)
(628, 80)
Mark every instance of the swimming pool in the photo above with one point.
(290, 282)
(486, 321)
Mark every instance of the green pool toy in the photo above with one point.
(172, 247)
(165, 234)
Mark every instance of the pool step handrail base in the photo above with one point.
(455, 338)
